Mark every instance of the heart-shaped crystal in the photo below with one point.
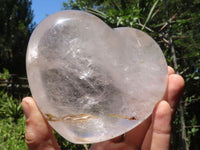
(91, 82)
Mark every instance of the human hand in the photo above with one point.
(153, 133)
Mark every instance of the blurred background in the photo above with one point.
(174, 24)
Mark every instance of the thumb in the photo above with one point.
(39, 135)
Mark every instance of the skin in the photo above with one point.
(153, 133)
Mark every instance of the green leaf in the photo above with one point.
(196, 78)
(150, 14)
(97, 13)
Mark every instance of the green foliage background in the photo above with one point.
(12, 123)
(15, 29)
(174, 24)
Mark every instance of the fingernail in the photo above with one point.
(26, 108)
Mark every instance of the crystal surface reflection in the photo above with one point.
(91, 82)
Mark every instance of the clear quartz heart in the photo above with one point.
(93, 83)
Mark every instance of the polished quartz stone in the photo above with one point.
(93, 83)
